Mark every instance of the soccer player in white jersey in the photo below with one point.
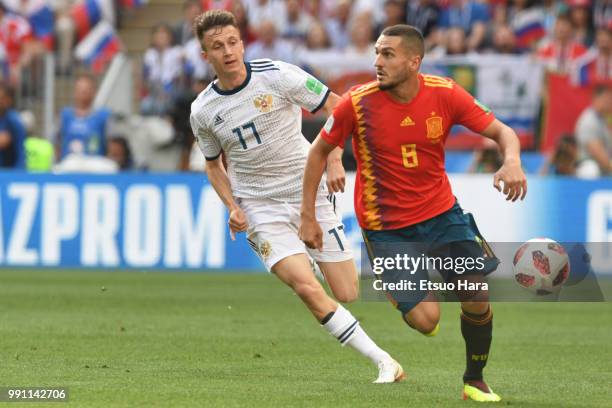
(251, 113)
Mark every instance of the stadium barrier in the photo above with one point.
(176, 221)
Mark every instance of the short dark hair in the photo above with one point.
(213, 18)
(411, 37)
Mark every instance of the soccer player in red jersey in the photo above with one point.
(399, 125)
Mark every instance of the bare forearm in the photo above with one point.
(509, 145)
(220, 181)
(335, 156)
(315, 165)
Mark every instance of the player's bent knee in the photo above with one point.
(428, 327)
(426, 324)
(424, 317)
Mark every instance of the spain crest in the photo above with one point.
(435, 130)
(265, 249)
(263, 103)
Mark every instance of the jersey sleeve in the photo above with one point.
(301, 88)
(341, 123)
(468, 111)
(208, 143)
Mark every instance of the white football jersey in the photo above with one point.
(258, 126)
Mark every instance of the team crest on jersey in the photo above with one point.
(263, 103)
(265, 249)
(435, 130)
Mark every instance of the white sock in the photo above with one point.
(347, 330)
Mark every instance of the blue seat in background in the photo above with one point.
(458, 162)
(532, 161)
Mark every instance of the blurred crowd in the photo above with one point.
(569, 37)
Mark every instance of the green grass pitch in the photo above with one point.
(139, 339)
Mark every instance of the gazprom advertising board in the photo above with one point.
(176, 221)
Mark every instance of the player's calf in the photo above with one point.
(295, 271)
(342, 279)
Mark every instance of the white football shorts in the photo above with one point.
(273, 230)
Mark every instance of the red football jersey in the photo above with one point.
(399, 148)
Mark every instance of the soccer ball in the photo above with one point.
(541, 266)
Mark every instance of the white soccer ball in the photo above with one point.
(541, 266)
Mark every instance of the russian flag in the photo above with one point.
(40, 16)
(528, 27)
(582, 70)
(42, 21)
(87, 13)
(99, 47)
(132, 4)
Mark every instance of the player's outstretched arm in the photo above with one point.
(310, 231)
(511, 172)
(217, 176)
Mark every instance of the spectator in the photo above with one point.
(183, 31)
(487, 160)
(16, 45)
(375, 8)
(12, 132)
(580, 14)
(563, 50)
(317, 43)
(469, 15)
(504, 41)
(39, 152)
(119, 151)
(196, 67)
(456, 41)
(227, 5)
(298, 22)
(593, 135)
(268, 45)
(602, 13)
(259, 11)
(362, 41)
(83, 128)
(162, 68)
(425, 15)
(179, 118)
(596, 64)
(551, 9)
(338, 26)
(246, 32)
(563, 161)
(395, 13)
(317, 37)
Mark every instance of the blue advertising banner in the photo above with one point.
(176, 221)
